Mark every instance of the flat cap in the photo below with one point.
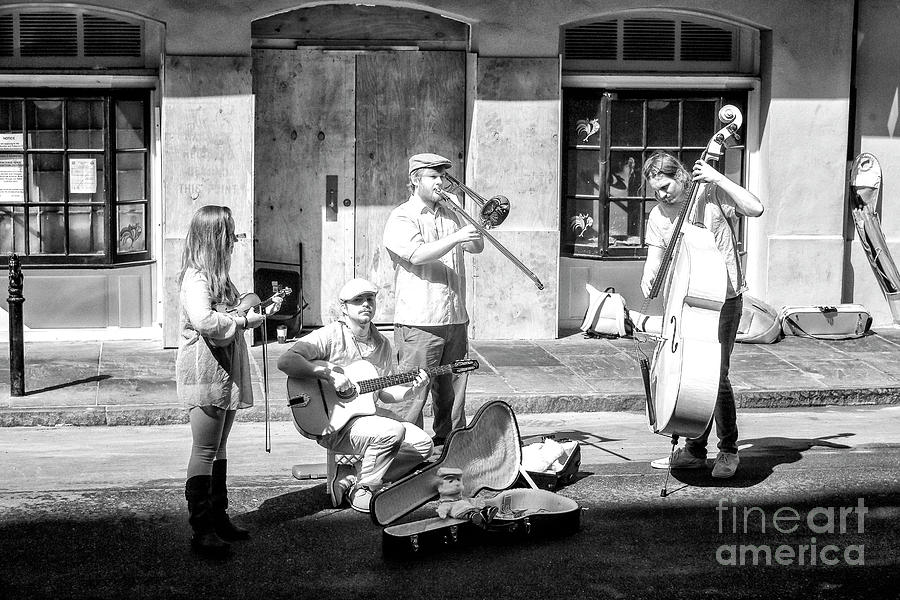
(427, 160)
(357, 287)
(449, 472)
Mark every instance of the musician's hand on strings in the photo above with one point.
(340, 381)
(705, 172)
(421, 382)
(275, 306)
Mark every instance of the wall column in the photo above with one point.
(208, 132)
(513, 150)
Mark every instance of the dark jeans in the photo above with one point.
(421, 347)
(724, 414)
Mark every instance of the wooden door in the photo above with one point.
(304, 139)
(334, 132)
(406, 103)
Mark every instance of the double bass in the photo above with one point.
(682, 381)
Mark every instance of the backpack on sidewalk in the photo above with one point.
(837, 322)
(605, 315)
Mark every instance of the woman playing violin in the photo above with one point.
(719, 203)
(212, 371)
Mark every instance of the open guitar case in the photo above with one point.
(489, 453)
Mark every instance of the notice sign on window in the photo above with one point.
(11, 141)
(82, 175)
(12, 179)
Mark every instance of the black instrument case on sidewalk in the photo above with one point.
(489, 453)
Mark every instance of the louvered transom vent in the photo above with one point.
(6, 35)
(111, 37)
(648, 39)
(72, 38)
(658, 42)
(705, 43)
(48, 34)
(594, 41)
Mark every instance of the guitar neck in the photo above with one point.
(370, 385)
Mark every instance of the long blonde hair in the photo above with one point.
(207, 248)
(663, 162)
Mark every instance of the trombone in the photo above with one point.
(490, 213)
(493, 211)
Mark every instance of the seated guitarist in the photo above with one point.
(389, 446)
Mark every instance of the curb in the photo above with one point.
(173, 413)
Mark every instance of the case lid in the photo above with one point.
(488, 452)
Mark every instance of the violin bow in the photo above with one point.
(265, 359)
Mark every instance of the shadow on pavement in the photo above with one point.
(289, 506)
(59, 386)
(134, 544)
(584, 439)
(759, 457)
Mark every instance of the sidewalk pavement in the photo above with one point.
(132, 382)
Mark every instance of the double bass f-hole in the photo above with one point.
(674, 344)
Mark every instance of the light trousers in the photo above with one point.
(390, 449)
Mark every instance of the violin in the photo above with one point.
(250, 301)
(683, 381)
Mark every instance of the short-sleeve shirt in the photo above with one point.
(718, 214)
(335, 343)
(432, 293)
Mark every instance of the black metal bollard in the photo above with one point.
(16, 336)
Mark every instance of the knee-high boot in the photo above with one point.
(225, 529)
(204, 541)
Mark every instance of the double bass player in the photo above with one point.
(720, 202)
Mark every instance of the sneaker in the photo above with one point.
(726, 465)
(344, 480)
(360, 499)
(681, 459)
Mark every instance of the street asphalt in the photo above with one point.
(99, 512)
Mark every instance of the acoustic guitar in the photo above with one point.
(319, 409)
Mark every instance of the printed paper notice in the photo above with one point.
(11, 141)
(12, 179)
(82, 175)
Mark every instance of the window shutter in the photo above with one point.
(659, 41)
(6, 35)
(648, 39)
(32, 37)
(111, 37)
(594, 41)
(48, 34)
(701, 42)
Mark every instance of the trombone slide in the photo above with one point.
(449, 203)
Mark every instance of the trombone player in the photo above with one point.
(426, 241)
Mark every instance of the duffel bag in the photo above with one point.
(835, 322)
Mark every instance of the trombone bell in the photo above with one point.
(493, 212)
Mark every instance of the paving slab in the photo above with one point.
(132, 382)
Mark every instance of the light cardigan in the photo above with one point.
(212, 366)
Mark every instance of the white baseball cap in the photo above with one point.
(357, 287)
